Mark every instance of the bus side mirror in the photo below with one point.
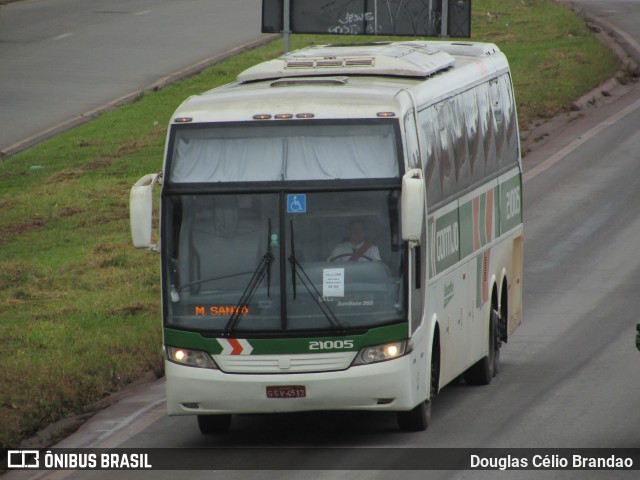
(412, 205)
(141, 211)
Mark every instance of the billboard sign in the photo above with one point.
(419, 18)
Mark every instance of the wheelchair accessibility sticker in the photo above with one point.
(296, 203)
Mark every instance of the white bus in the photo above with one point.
(340, 229)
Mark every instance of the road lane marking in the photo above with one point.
(64, 35)
(124, 430)
(144, 12)
(553, 159)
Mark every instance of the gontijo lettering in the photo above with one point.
(447, 242)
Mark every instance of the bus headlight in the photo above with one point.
(190, 358)
(381, 353)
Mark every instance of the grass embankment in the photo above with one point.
(80, 308)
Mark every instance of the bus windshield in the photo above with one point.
(280, 151)
(282, 262)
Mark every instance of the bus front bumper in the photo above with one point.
(380, 386)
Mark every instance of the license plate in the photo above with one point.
(293, 391)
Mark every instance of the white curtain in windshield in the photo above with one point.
(314, 152)
(320, 158)
(227, 160)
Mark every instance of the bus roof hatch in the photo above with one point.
(404, 59)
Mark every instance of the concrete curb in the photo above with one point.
(623, 40)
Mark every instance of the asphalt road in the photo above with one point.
(569, 376)
(61, 61)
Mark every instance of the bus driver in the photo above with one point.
(355, 248)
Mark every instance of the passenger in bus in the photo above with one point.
(356, 248)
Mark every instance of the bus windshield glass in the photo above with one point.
(313, 150)
(278, 263)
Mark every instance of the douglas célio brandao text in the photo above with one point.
(550, 462)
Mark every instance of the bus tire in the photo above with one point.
(214, 424)
(497, 338)
(419, 418)
(486, 368)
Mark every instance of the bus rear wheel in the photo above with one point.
(486, 368)
(214, 424)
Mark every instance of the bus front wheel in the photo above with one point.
(213, 424)
(419, 418)
(416, 420)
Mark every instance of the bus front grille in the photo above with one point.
(300, 363)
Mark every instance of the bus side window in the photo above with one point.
(431, 146)
(445, 126)
(462, 163)
(488, 130)
(511, 124)
(413, 155)
(498, 115)
(474, 135)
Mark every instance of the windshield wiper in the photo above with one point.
(205, 280)
(296, 268)
(263, 268)
(269, 263)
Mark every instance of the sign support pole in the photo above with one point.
(286, 33)
(444, 25)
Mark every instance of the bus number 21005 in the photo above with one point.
(331, 345)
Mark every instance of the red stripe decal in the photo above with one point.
(485, 276)
(237, 347)
(476, 223)
(489, 215)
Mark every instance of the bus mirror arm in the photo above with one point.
(412, 206)
(141, 211)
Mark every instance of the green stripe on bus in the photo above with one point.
(290, 346)
(447, 241)
(510, 204)
(496, 212)
(466, 229)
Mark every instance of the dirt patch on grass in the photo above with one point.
(136, 308)
(55, 316)
(14, 273)
(99, 164)
(9, 176)
(21, 228)
(68, 212)
(65, 176)
(132, 147)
